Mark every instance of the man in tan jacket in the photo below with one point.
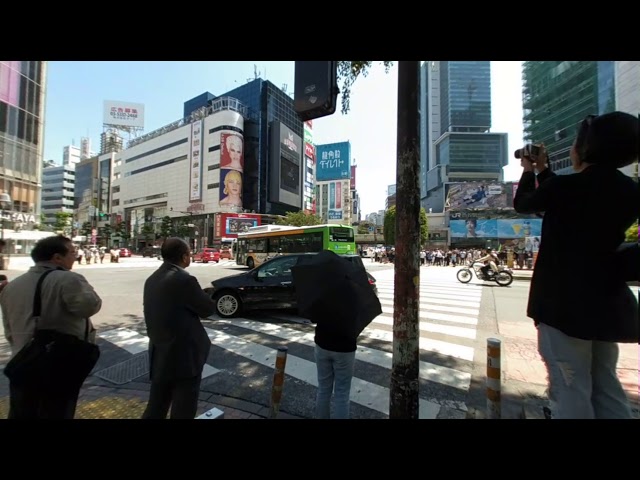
(67, 303)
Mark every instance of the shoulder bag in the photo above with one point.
(52, 357)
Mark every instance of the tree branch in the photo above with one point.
(348, 73)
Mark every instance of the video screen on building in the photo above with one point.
(289, 175)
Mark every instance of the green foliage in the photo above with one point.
(166, 227)
(63, 221)
(390, 226)
(363, 228)
(299, 219)
(86, 229)
(348, 73)
(424, 227)
(632, 233)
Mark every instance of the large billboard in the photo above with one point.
(123, 114)
(460, 196)
(333, 161)
(353, 177)
(334, 208)
(512, 228)
(286, 166)
(195, 162)
(10, 82)
(229, 225)
(231, 170)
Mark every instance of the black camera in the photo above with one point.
(528, 151)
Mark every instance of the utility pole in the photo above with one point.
(404, 388)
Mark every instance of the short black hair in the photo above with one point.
(173, 249)
(3, 243)
(612, 139)
(47, 247)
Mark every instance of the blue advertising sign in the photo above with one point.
(333, 161)
(473, 228)
(519, 227)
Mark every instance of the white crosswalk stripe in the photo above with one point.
(448, 320)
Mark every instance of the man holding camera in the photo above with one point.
(583, 311)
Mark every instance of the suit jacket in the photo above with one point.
(174, 303)
(577, 284)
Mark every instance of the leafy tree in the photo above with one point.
(299, 219)
(166, 227)
(348, 73)
(363, 228)
(632, 233)
(63, 221)
(390, 226)
(86, 229)
(183, 230)
(424, 227)
(147, 229)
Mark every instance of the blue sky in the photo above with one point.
(76, 92)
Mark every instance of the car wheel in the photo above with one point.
(228, 304)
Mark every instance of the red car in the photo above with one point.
(206, 255)
(125, 253)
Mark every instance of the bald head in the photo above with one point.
(177, 251)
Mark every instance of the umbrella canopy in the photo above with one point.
(335, 292)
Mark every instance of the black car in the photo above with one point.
(269, 286)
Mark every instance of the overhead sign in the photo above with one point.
(123, 114)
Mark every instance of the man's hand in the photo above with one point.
(539, 162)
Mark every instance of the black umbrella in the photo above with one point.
(335, 292)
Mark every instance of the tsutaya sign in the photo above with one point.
(18, 217)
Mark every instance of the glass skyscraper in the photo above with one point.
(557, 96)
(22, 101)
(455, 140)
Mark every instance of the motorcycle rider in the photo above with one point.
(489, 261)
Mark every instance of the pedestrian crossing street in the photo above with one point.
(449, 314)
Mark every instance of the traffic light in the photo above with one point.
(316, 89)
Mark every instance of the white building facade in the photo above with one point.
(187, 171)
(57, 191)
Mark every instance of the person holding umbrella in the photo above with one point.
(335, 295)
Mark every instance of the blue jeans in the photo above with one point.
(335, 370)
(583, 382)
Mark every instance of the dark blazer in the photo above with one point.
(174, 303)
(577, 286)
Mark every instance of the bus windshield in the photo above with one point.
(340, 234)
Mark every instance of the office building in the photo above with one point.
(22, 102)
(456, 144)
(58, 186)
(557, 96)
(627, 85)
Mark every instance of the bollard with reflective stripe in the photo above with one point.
(278, 381)
(493, 378)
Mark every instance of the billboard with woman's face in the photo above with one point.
(230, 188)
(232, 151)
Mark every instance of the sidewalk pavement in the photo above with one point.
(101, 400)
(524, 375)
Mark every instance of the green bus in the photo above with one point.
(266, 241)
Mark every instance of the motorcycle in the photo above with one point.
(504, 276)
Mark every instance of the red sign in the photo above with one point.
(309, 123)
(353, 177)
(228, 225)
(310, 151)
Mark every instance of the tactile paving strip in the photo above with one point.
(127, 371)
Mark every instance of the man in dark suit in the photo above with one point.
(179, 346)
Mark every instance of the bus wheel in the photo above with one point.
(250, 263)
